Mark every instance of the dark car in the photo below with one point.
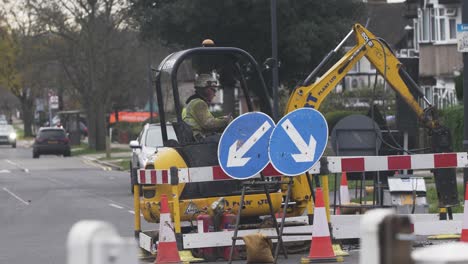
(51, 140)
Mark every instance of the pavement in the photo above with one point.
(115, 157)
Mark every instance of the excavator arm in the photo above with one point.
(314, 90)
(383, 59)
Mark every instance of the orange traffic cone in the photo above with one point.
(344, 192)
(464, 234)
(321, 248)
(167, 246)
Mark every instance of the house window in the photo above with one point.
(425, 19)
(416, 34)
(437, 24)
(452, 28)
(446, 24)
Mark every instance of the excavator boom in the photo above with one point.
(312, 93)
(385, 62)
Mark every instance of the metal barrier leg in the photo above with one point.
(275, 222)
(234, 238)
(280, 231)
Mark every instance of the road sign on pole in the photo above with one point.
(462, 37)
(298, 141)
(243, 148)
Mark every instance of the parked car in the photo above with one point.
(145, 147)
(51, 140)
(7, 134)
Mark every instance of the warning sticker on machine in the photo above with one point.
(191, 209)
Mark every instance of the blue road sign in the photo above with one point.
(298, 141)
(243, 147)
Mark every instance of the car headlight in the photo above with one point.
(12, 136)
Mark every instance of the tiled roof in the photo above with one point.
(388, 22)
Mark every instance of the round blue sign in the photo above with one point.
(298, 141)
(243, 147)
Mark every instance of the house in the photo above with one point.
(398, 36)
(418, 29)
(435, 41)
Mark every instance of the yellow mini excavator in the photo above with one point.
(248, 92)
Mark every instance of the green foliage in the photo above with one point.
(452, 117)
(459, 86)
(9, 52)
(307, 30)
(126, 131)
(431, 196)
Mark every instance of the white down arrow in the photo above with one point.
(307, 150)
(236, 156)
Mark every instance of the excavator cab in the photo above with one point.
(242, 90)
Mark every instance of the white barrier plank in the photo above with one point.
(344, 227)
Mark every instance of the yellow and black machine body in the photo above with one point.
(250, 94)
(315, 89)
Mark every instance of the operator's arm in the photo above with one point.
(202, 115)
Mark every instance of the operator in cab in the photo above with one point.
(205, 126)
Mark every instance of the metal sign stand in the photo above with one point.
(279, 229)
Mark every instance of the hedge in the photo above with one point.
(452, 117)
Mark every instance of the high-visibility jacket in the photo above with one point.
(202, 121)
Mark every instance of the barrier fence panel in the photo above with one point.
(326, 165)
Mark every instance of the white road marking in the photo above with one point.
(5, 171)
(16, 196)
(133, 212)
(18, 166)
(116, 206)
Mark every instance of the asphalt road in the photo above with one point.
(42, 198)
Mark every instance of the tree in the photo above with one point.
(95, 48)
(307, 30)
(23, 62)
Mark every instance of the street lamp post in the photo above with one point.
(274, 48)
(465, 91)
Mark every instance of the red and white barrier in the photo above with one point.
(464, 233)
(400, 162)
(330, 164)
(195, 174)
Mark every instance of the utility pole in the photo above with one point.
(274, 49)
(465, 92)
(150, 84)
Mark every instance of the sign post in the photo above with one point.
(242, 154)
(297, 143)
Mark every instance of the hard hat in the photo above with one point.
(206, 80)
(208, 42)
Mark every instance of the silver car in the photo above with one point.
(145, 147)
(7, 134)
